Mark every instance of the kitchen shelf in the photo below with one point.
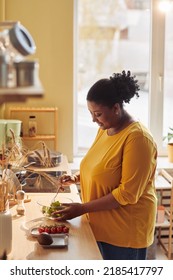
(23, 113)
(164, 183)
(39, 137)
(165, 224)
(20, 94)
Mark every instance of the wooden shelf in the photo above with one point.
(164, 182)
(165, 224)
(33, 109)
(20, 94)
(21, 113)
(39, 137)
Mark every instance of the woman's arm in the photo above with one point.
(103, 203)
(72, 210)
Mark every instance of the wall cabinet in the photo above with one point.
(47, 125)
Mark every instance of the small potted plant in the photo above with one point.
(169, 138)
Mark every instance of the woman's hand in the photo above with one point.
(71, 210)
(67, 180)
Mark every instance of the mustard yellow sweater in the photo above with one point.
(123, 164)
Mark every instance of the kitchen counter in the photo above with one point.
(82, 244)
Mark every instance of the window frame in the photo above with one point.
(156, 81)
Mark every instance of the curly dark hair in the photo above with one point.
(119, 88)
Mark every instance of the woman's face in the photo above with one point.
(104, 116)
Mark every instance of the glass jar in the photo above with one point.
(27, 73)
(32, 131)
(3, 70)
(16, 42)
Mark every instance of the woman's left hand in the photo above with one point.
(70, 211)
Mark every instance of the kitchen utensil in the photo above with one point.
(48, 241)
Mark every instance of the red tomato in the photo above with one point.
(41, 229)
(53, 230)
(48, 229)
(65, 229)
(59, 229)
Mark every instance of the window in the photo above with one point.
(115, 35)
(168, 73)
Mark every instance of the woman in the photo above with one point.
(117, 174)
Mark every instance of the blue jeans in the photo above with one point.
(111, 252)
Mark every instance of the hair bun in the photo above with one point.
(126, 86)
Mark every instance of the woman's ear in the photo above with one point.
(116, 108)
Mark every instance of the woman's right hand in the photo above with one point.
(67, 180)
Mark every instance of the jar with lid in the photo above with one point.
(32, 130)
(27, 73)
(17, 42)
(20, 195)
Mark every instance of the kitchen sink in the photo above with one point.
(33, 182)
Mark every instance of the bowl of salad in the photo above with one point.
(48, 210)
